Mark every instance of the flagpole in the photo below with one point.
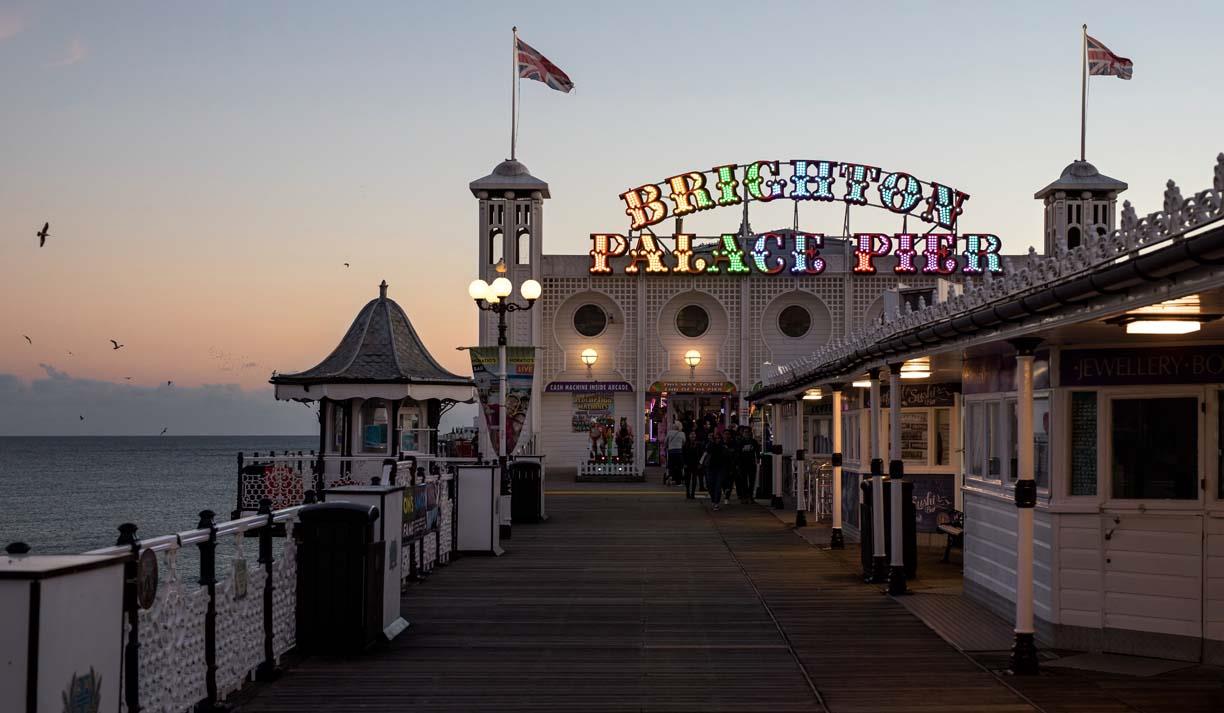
(513, 90)
(1083, 89)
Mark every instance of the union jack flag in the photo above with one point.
(533, 65)
(1102, 61)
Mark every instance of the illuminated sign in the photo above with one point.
(774, 254)
(795, 253)
(799, 180)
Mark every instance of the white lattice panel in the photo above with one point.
(623, 291)
(284, 595)
(762, 290)
(239, 626)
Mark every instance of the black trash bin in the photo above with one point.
(909, 532)
(340, 578)
(526, 481)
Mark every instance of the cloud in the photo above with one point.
(11, 23)
(53, 405)
(75, 52)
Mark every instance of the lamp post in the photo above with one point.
(493, 298)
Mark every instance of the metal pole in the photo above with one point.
(896, 479)
(1024, 650)
(836, 541)
(879, 564)
(1083, 90)
(513, 90)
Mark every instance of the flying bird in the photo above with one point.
(346, 264)
(42, 234)
(82, 418)
(117, 346)
(31, 341)
(127, 378)
(169, 383)
(164, 431)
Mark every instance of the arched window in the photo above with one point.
(497, 246)
(523, 248)
(1073, 237)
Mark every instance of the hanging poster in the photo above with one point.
(520, 372)
(590, 409)
(914, 437)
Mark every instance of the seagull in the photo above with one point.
(31, 341)
(346, 264)
(42, 234)
(117, 346)
(82, 418)
(127, 378)
(69, 353)
(164, 431)
(169, 383)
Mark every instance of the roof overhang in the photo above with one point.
(463, 393)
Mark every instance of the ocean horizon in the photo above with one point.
(66, 494)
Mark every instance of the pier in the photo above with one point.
(633, 598)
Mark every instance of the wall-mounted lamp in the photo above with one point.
(813, 394)
(919, 368)
(692, 357)
(589, 356)
(861, 383)
(1163, 324)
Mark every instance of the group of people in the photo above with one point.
(706, 455)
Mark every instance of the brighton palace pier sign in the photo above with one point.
(801, 180)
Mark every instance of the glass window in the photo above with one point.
(374, 426)
(1155, 448)
(976, 436)
(1083, 443)
(590, 320)
(994, 437)
(692, 321)
(337, 426)
(1041, 441)
(1013, 430)
(794, 321)
(943, 436)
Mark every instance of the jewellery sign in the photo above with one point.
(520, 371)
(1152, 365)
(800, 180)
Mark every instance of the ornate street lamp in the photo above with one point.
(492, 298)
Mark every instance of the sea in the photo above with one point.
(70, 494)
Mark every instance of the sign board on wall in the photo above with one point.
(590, 409)
(918, 395)
(1151, 365)
(692, 387)
(933, 498)
(579, 387)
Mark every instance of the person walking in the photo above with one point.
(719, 463)
(749, 455)
(675, 455)
(692, 466)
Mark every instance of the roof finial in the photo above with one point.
(382, 290)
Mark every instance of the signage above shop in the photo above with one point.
(585, 387)
(1152, 365)
(692, 387)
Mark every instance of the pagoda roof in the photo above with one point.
(1082, 176)
(509, 175)
(381, 347)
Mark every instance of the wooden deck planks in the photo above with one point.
(640, 602)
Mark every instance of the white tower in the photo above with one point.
(511, 220)
(1079, 206)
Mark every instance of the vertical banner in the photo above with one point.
(520, 373)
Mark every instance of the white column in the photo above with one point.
(1024, 650)
(776, 500)
(799, 463)
(836, 541)
(896, 477)
(879, 567)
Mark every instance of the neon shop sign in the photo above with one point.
(771, 253)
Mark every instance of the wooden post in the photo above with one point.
(267, 670)
(208, 579)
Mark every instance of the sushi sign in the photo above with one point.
(773, 253)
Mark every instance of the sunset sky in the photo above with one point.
(207, 168)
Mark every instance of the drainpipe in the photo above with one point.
(896, 479)
(836, 541)
(879, 559)
(1024, 650)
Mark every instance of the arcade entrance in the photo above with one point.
(680, 404)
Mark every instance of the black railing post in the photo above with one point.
(208, 579)
(238, 490)
(131, 607)
(267, 670)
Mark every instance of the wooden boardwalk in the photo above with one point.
(634, 599)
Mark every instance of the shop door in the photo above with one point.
(1152, 529)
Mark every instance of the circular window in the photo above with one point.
(692, 321)
(794, 321)
(590, 320)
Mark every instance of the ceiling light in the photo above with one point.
(1163, 326)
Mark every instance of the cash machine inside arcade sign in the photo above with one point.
(854, 184)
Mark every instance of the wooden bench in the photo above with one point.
(954, 528)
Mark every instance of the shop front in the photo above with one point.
(684, 405)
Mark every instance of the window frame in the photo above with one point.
(1105, 485)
